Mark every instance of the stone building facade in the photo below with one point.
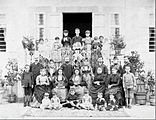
(134, 19)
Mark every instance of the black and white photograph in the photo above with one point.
(77, 59)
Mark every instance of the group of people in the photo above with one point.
(76, 77)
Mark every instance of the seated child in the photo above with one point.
(72, 100)
(112, 104)
(46, 103)
(55, 102)
(87, 101)
(100, 102)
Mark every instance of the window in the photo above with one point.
(41, 19)
(115, 19)
(2, 40)
(115, 24)
(151, 39)
(41, 33)
(41, 25)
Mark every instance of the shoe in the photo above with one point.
(129, 106)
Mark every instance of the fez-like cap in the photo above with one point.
(87, 31)
(65, 31)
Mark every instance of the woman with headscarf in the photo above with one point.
(78, 83)
(60, 85)
(99, 83)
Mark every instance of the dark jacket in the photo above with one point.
(76, 39)
(67, 70)
(35, 69)
(66, 41)
(27, 80)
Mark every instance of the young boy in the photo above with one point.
(87, 101)
(55, 102)
(77, 38)
(129, 85)
(56, 53)
(87, 43)
(112, 103)
(46, 103)
(72, 100)
(66, 40)
(100, 102)
(27, 83)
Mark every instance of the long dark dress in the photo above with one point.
(42, 87)
(35, 69)
(116, 89)
(60, 87)
(94, 88)
(68, 71)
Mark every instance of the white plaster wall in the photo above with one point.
(133, 14)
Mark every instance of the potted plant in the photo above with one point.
(11, 77)
(29, 45)
(117, 44)
(141, 91)
(151, 87)
(136, 62)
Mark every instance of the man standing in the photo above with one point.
(77, 40)
(35, 69)
(67, 69)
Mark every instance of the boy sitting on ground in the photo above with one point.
(46, 103)
(72, 100)
(55, 102)
(87, 101)
(112, 104)
(100, 102)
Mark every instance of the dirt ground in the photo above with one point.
(16, 110)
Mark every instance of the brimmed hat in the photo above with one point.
(65, 31)
(56, 38)
(87, 31)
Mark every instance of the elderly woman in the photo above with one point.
(114, 87)
(60, 83)
(99, 83)
(78, 83)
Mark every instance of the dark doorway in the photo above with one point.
(83, 21)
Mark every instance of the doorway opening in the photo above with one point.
(83, 21)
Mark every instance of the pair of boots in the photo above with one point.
(27, 100)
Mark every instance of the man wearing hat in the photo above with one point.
(87, 43)
(66, 40)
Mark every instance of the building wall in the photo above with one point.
(21, 20)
